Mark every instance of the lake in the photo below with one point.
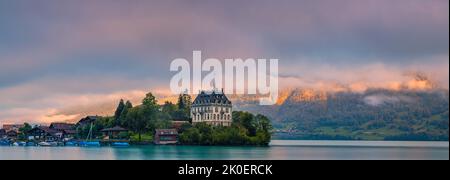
(278, 150)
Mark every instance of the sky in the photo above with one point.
(60, 60)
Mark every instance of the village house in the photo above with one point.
(2, 133)
(43, 133)
(12, 134)
(62, 126)
(87, 121)
(12, 127)
(166, 136)
(113, 133)
(66, 131)
(69, 134)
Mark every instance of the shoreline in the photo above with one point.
(288, 143)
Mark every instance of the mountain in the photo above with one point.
(375, 114)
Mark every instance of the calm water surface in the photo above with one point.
(278, 150)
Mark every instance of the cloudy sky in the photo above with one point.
(63, 59)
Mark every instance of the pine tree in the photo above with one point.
(122, 118)
(184, 105)
(118, 111)
(128, 105)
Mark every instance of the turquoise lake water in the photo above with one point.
(278, 150)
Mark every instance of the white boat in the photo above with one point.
(48, 144)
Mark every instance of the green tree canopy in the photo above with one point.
(123, 115)
(137, 121)
(184, 105)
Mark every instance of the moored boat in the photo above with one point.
(89, 143)
(5, 143)
(120, 144)
(19, 144)
(48, 144)
(71, 143)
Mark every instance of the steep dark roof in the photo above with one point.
(11, 133)
(48, 129)
(9, 127)
(62, 126)
(70, 131)
(87, 120)
(45, 129)
(211, 98)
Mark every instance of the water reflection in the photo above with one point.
(279, 150)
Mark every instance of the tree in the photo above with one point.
(25, 130)
(122, 118)
(184, 106)
(169, 111)
(180, 102)
(149, 100)
(247, 129)
(137, 121)
(263, 123)
(247, 120)
(206, 132)
(185, 127)
(118, 111)
(190, 136)
(264, 128)
(128, 105)
(150, 111)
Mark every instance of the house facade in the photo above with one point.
(213, 108)
(43, 133)
(2, 133)
(166, 136)
(113, 133)
(12, 127)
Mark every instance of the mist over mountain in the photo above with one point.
(374, 114)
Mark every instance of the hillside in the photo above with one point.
(373, 115)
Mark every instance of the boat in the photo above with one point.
(19, 144)
(120, 144)
(48, 144)
(5, 143)
(89, 142)
(31, 144)
(71, 143)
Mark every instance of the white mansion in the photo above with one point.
(213, 107)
